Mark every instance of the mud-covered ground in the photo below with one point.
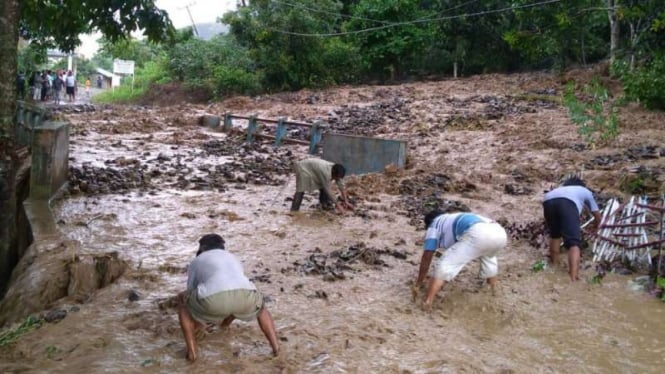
(147, 182)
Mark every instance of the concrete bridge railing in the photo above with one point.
(28, 116)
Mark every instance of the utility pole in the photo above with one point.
(196, 31)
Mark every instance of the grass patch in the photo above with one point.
(11, 335)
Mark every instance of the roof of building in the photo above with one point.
(105, 73)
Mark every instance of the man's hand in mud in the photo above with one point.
(349, 206)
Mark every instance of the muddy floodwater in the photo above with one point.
(338, 286)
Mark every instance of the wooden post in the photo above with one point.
(228, 122)
(280, 132)
(316, 133)
(251, 128)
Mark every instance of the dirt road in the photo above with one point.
(147, 182)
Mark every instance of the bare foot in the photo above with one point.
(191, 356)
(427, 307)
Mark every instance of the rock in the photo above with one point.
(55, 316)
(133, 295)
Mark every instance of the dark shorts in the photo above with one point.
(563, 220)
(70, 90)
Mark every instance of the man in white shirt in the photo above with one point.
(219, 292)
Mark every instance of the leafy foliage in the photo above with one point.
(30, 58)
(275, 34)
(597, 119)
(647, 84)
(220, 64)
(387, 50)
(59, 23)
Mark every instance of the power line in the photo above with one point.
(300, 6)
(422, 20)
(318, 10)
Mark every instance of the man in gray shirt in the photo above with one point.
(218, 291)
(562, 207)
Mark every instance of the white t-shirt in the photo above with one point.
(71, 81)
(217, 270)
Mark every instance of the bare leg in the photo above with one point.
(268, 327)
(574, 262)
(189, 326)
(555, 250)
(494, 284)
(435, 286)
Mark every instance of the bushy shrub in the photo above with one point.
(219, 64)
(647, 84)
(595, 115)
(230, 80)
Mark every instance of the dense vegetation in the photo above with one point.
(276, 45)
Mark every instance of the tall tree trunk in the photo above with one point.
(9, 17)
(612, 14)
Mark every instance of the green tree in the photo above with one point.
(51, 23)
(469, 36)
(559, 33)
(281, 37)
(389, 51)
(220, 65)
(30, 58)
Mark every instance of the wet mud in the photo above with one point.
(147, 182)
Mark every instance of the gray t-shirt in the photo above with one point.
(577, 194)
(216, 270)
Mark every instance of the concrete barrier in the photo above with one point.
(361, 155)
(50, 159)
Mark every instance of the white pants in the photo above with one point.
(482, 240)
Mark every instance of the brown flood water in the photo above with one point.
(540, 323)
(366, 323)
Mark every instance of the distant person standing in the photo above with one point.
(57, 88)
(562, 208)
(70, 83)
(87, 88)
(99, 82)
(37, 86)
(46, 82)
(20, 85)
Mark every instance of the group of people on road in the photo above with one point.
(48, 85)
(219, 292)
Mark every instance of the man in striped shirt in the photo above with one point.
(466, 237)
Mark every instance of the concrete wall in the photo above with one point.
(50, 159)
(361, 155)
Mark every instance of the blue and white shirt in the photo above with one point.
(446, 229)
